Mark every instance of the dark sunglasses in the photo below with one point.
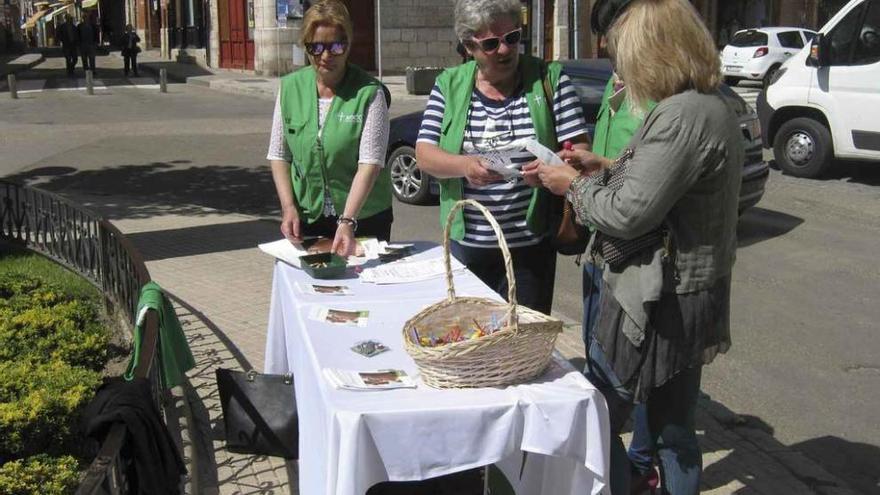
(334, 47)
(489, 45)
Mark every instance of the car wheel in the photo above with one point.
(769, 75)
(409, 184)
(803, 147)
(731, 81)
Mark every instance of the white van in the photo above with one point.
(824, 102)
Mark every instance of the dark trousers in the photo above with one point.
(534, 270)
(88, 57)
(131, 61)
(378, 226)
(70, 58)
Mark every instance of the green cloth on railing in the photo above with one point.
(175, 357)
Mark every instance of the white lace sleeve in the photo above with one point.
(277, 144)
(374, 139)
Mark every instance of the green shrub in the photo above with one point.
(41, 475)
(39, 323)
(40, 406)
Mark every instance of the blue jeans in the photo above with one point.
(670, 413)
(641, 449)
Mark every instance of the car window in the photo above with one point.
(841, 39)
(809, 35)
(589, 90)
(867, 49)
(790, 39)
(749, 38)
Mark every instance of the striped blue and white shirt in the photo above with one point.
(503, 126)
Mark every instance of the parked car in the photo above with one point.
(823, 103)
(756, 54)
(589, 76)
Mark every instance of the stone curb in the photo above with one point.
(21, 63)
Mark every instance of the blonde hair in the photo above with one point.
(661, 48)
(326, 13)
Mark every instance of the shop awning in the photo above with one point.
(90, 4)
(30, 23)
(60, 10)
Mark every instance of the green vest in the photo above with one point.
(614, 132)
(457, 84)
(331, 159)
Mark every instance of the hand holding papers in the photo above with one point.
(290, 253)
(543, 153)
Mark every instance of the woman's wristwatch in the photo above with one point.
(349, 220)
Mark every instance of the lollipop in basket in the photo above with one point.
(478, 342)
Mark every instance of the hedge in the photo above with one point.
(40, 405)
(38, 323)
(40, 474)
(53, 346)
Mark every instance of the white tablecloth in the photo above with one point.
(351, 440)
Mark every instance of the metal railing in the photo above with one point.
(89, 245)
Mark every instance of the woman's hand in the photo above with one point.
(585, 161)
(530, 173)
(556, 178)
(290, 224)
(344, 243)
(477, 174)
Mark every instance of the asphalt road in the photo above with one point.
(805, 362)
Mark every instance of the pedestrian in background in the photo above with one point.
(68, 35)
(664, 311)
(88, 42)
(491, 106)
(130, 50)
(329, 137)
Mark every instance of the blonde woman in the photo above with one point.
(664, 313)
(329, 136)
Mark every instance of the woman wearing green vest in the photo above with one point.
(665, 310)
(484, 111)
(329, 137)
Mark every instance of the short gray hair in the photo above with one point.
(472, 16)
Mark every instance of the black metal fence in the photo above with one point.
(86, 243)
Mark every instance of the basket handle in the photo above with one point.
(502, 242)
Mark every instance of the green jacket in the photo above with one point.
(614, 132)
(457, 84)
(329, 162)
(175, 357)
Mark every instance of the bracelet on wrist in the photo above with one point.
(348, 220)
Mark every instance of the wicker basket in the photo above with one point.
(518, 352)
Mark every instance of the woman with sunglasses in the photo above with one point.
(483, 112)
(329, 136)
(664, 312)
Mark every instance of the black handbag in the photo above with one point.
(614, 250)
(259, 413)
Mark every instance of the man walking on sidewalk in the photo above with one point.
(69, 37)
(88, 42)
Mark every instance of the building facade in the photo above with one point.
(261, 36)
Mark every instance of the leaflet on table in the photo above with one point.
(356, 318)
(290, 253)
(543, 153)
(324, 289)
(402, 272)
(368, 380)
